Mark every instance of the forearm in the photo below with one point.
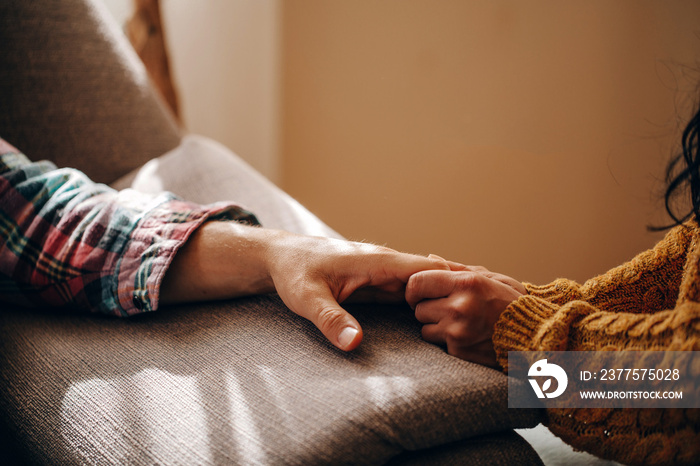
(68, 241)
(534, 324)
(221, 260)
(648, 283)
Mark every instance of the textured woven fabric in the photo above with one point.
(203, 171)
(238, 382)
(73, 91)
(501, 449)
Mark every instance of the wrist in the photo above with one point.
(220, 260)
(518, 326)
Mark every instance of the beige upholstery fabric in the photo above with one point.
(501, 449)
(243, 382)
(73, 91)
(203, 171)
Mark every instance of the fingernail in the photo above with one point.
(435, 256)
(347, 336)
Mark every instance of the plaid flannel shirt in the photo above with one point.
(69, 242)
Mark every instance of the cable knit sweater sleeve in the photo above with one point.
(648, 283)
(649, 303)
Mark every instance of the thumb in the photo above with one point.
(333, 321)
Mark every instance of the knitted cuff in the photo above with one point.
(515, 330)
(560, 291)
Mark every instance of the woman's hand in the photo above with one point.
(459, 309)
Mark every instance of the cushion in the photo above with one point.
(204, 171)
(73, 91)
(501, 449)
(238, 381)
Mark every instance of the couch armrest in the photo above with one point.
(243, 381)
(73, 90)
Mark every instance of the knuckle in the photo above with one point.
(453, 333)
(414, 284)
(458, 309)
(330, 318)
(456, 335)
(419, 314)
(472, 281)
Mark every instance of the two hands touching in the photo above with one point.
(458, 305)
(459, 308)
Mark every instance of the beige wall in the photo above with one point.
(225, 56)
(526, 136)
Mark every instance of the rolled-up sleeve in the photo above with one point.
(69, 242)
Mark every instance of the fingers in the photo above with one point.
(384, 271)
(454, 266)
(430, 311)
(434, 334)
(338, 326)
(429, 284)
(506, 280)
(403, 265)
(472, 349)
(313, 275)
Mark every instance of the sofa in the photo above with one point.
(233, 382)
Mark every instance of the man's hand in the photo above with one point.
(312, 275)
(459, 309)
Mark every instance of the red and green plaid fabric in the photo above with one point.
(69, 242)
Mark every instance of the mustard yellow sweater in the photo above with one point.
(650, 303)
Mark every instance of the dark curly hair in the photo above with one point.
(683, 173)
